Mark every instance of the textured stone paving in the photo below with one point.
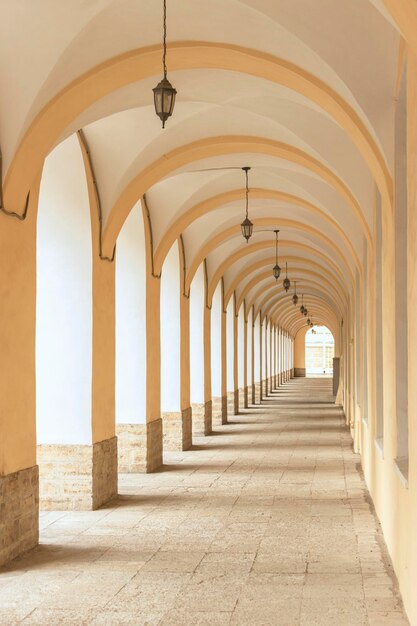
(267, 522)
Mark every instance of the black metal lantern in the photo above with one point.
(305, 311)
(308, 321)
(247, 226)
(302, 305)
(164, 93)
(276, 270)
(286, 282)
(295, 297)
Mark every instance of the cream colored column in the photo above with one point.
(271, 358)
(245, 358)
(153, 357)
(224, 359)
(261, 385)
(185, 391)
(235, 358)
(275, 356)
(208, 403)
(253, 394)
(19, 483)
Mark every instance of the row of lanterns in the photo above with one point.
(164, 101)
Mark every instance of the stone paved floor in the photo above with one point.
(267, 522)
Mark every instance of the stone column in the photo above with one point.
(78, 470)
(19, 483)
(235, 358)
(208, 401)
(245, 359)
(224, 359)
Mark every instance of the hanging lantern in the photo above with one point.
(286, 282)
(164, 93)
(247, 226)
(295, 297)
(276, 270)
(305, 312)
(308, 322)
(302, 305)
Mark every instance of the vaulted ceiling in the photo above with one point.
(302, 92)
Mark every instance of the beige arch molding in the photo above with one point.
(323, 275)
(282, 309)
(270, 295)
(212, 147)
(278, 305)
(133, 66)
(220, 238)
(404, 13)
(291, 320)
(289, 316)
(333, 329)
(211, 204)
(323, 319)
(270, 262)
(256, 247)
(293, 324)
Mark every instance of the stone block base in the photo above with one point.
(177, 429)
(244, 397)
(19, 513)
(299, 372)
(216, 410)
(224, 409)
(202, 418)
(140, 447)
(230, 403)
(154, 445)
(257, 399)
(77, 477)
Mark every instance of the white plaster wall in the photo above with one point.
(241, 346)
(131, 321)
(230, 344)
(257, 350)
(216, 343)
(249, 347)
(170, 332)
(64, 300)
(197, 336)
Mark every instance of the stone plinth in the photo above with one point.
(216, 411)
(231, 403)
(257, 398)
(19, 513)
(140, 447)
(201, 418)
(299, 372)
(79, 477)
(224, 409)
(244, 397)
(177, 429)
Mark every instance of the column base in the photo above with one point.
(77, 477)
(299, 372)
(140, 447)
(224, 409)
(177, 429)
(230, 403)
(19, 519)
(245, 397)
(202, 420)
(216, 410)
(257, 399)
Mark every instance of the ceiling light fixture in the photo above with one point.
(286, 283)
(164, 93)
(276, 270)
(302, 305)
(295, 297)
(247, 226)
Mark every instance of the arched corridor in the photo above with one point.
(266, 521)
(207, 286)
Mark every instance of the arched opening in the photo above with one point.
(319, 351)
